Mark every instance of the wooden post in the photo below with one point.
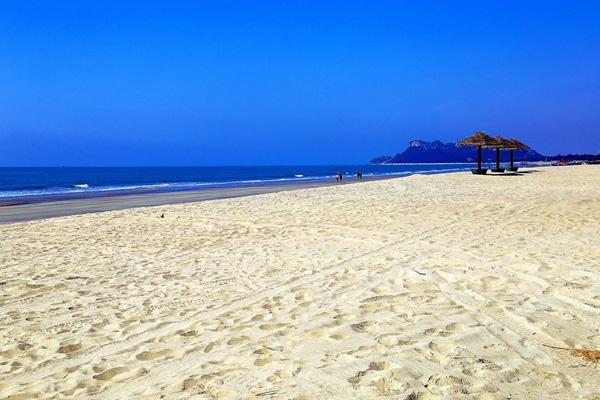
(478, 158)
(497, 158)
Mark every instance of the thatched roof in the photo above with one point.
(514, 144)
(504, 143)
(479, 139)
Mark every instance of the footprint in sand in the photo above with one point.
(270, 327)
(238, 340)
(153, 355)
(389, 340)
(69, 348)
(258, 317)
(188, 333)
(364, 326)
(259, 362)
(239, 328)
(211, 346)
(110, 373)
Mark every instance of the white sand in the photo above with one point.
(444, 286)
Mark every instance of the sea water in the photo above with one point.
(44, 182)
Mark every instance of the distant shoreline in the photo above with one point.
(42, 185)
(30, 209)
(36, 208)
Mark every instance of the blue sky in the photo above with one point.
(235, 82)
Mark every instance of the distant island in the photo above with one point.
(419, 151)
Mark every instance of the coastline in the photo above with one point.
(63, 206)
(43, 184)
(30, 209)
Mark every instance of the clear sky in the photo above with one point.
(285, 82)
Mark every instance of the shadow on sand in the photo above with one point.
(505, 174)
(518, 173)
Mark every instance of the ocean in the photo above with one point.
(19, 183)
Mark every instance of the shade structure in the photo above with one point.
(512, 145)
(481, 140)
(501, 143)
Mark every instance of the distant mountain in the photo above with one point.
(419, 151)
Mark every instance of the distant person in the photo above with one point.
(337, 176)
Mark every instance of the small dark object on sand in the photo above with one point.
(162, 215)
(413, 396)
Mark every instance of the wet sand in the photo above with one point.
(22, 210)
(425, 287)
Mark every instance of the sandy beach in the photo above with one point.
(425, 287)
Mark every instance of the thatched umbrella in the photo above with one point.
(501, 143)
(513, 145)
(481, 140)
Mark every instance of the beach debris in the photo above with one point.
(162, 215)
(592, 356)
(267, 393)
(420, 273)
